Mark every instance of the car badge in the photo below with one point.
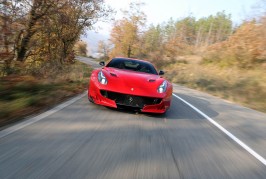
(130, 99)
(132, 89)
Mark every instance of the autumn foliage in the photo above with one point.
(245, 48)
(80, 48)
(126, 33)
(38, 33)
(164, 42)
(213, 37)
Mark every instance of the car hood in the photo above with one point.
(131, 82)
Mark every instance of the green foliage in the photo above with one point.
(153, 39)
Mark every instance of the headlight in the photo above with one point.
(101, 78)
(162, 87)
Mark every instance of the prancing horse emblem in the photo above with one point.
(130, 99)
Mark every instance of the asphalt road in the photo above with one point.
(83, 140)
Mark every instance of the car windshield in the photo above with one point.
(133, 65)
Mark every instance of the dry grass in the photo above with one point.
(246, 87)
(24, 95)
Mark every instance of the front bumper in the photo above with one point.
(120, 100)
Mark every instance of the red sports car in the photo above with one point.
(130, 83)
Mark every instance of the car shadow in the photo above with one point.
(178, 109)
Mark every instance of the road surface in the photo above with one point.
(82, 140)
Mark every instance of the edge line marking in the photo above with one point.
(39, 117)
(229, 134)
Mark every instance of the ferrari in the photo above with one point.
(130, 83)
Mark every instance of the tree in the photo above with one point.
(45, 31)
(126, 33)
(74, 19)
(245, 48)
(63, 21)
(103, 49)
(81, 48)
(180, 36)
(153, 39)
(163, 43)
(38, 10)
(213, 29)
(12, 15)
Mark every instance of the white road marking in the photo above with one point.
(229, 134)
(32, 120)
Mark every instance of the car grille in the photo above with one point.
(130, 100)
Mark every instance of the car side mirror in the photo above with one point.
(102, 63)
(161, 72)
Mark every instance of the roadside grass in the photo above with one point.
(246, 87)
(21, 96)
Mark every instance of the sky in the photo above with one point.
(159, 11)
